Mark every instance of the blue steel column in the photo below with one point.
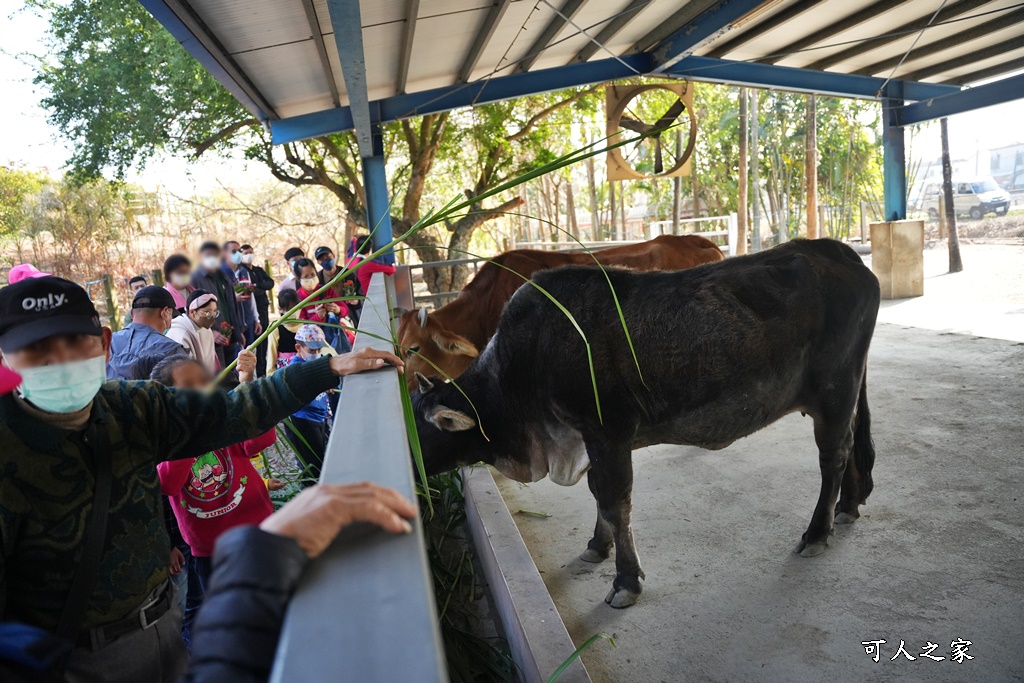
(894, 161)
(378, 201)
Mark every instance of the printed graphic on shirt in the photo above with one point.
(212, 477)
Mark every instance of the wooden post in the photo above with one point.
(955, 264)
(741, 210)
(811, 167)
(822, 224)
(108, 294)
(677, 186)
(863, 221)
(158, 277)
(613, 230)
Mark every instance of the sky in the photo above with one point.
(30, 142)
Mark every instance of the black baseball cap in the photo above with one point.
(154, 297)
(322, 251)
(42, 307)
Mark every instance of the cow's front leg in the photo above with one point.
(612, 482)
(600, 545)
(835, 443)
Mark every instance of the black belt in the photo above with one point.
(139, 620)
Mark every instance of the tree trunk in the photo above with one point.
(811, 167)
(622, 209)
(595, 218)
(695, 180)
(741, 210)
(756, 167)
(570, 209)
(955, 264)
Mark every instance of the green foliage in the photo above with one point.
(17, 190)
(121, 88)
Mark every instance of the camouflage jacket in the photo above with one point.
(47, 484)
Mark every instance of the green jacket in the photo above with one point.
(46, 484)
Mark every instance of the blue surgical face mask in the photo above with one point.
(328, 264)
(64, 387)
(236, 257)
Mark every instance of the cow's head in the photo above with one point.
(447, 426)
(424, 341)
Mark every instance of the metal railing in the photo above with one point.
(364, 610)
(442, 298)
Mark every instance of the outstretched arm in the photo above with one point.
(188, 423)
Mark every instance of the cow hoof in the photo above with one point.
(622, 598)
(846, 517)
(594, 556)
(805, 549)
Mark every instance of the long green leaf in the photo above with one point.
(575, 655)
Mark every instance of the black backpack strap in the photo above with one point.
(93, 542)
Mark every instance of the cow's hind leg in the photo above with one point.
(600, 545)
(847, 507)
(834, 438)
(612, 483)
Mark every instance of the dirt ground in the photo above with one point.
(938, 555)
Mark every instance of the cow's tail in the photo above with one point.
(863, 445)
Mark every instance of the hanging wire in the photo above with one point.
(482, 82)
(924, 28)
(592, 39)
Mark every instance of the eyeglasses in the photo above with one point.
(208, 314)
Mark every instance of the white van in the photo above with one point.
(973, 197)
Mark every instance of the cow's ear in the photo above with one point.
(425, 384)
(455, 345)
(451, 420)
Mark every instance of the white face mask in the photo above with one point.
(64, 387)
(248, 259)
(309, 283)
(180, 280)
(211, 263)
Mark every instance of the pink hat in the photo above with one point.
(9, 380)
(24, 272)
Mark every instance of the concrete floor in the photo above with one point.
(938, 554)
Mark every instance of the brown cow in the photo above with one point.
(451, 336)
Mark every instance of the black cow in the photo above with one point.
(725, 349)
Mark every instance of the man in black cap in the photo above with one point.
(153, 308)
(83, 550)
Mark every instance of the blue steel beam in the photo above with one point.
(463, 95)
(189, 31)
(348, 36)
(718, 19)
(573, 75)
(894, 159)
(979, 97)
(800, 80)
(378, 204)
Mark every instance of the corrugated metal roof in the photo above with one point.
(275, 45)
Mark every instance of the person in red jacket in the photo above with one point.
(367, 270)
(215, 492)
(319, 310)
